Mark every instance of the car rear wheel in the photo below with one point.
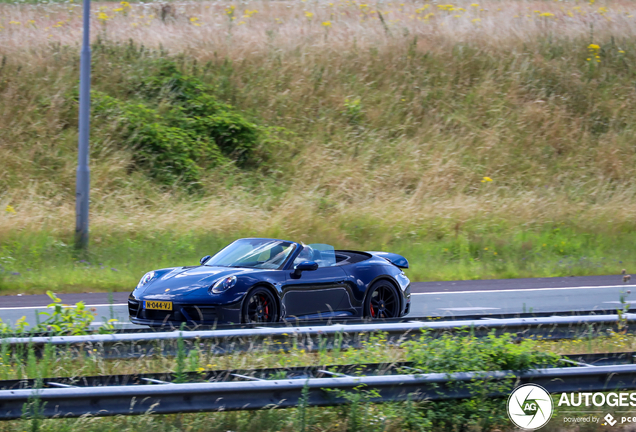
(382, 301)
(260, 306)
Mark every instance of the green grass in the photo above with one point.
(115, 262)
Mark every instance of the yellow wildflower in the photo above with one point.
(486, 179)
(308, 14)
(326, 24)
(10, 209)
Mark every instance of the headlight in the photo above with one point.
(147, 278)
(223, 285)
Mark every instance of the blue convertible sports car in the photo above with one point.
(267, 280)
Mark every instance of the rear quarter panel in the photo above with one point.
(363, 274)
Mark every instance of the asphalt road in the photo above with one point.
(489, 297)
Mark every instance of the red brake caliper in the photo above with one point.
(372, 313)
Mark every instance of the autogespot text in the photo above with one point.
(612, 399)
(622, 399)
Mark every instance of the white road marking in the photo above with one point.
(523, 290)
(99, 323)
(44, 307)
(467, 308)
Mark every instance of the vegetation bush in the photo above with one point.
(62, 319)
(177, 128)
(466, 353)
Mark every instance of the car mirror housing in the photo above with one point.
(305, 266)
(204, 259)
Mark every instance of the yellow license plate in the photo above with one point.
(158, 305)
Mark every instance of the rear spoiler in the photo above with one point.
(395, 259)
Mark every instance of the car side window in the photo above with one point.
(307, 254)
(322, 254)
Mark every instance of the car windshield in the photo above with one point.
(253, 253)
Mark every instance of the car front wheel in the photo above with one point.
(260, 306)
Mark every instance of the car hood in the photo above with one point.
(183, 281)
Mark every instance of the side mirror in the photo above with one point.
(305, 266)
(204, 259)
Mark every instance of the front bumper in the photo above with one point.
(189, 314)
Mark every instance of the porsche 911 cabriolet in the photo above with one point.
(256, 280)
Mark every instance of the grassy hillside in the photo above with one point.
(479, 140)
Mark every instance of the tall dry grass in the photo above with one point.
(204, 28)
(445, 100)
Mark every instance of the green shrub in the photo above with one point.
(178, 129)
(467, 353)
(63, 319)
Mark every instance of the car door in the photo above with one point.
(321, 291)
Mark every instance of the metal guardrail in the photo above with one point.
(227, 375)
(295, 372)
(283, 393)
(342, 320)
(312, 338)
(351, 321)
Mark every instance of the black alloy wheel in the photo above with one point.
(382, 301)
(260, 307)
